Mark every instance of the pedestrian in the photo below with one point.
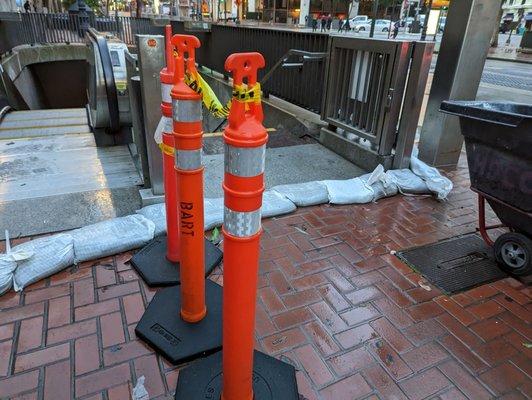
(323, 23)
(329, 22)
(347, 26)
(395, 31)
(27, 6)
(306, 21)
(340, 25)
(314, 24)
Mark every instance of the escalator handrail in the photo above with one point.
(109, 80)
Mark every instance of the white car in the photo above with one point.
(383, 25)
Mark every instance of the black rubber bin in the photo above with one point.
(498, 138)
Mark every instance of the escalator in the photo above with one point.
(63, 168)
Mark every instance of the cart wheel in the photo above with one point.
(513, 252)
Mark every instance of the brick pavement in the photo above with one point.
(355, 321)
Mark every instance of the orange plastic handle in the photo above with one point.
(169, 49)
(186, 46)
(244, 65)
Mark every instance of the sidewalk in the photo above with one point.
(505, 53)
(333, 301)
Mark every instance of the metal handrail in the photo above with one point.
(303, 56)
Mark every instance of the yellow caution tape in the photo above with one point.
(210, 100)
(247, 95)
(166, 149)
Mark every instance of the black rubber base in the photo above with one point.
(455, 264)
(272, 379)
(178, 341)
(153, 266)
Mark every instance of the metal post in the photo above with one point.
(375, 9)
(463, 51)
(424, 31)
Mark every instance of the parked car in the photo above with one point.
(361, 26)
(383, 25)
(358, 19)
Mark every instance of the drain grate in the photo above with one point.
(456, 264)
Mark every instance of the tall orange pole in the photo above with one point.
(245, 148)
(167, 147)
(188, 133)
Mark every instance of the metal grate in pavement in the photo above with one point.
(456, 264)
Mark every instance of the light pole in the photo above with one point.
(425, 23)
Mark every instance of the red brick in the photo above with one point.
(424, 384)
(398, 280)
(367, 279)
(59, 312)
(424, 311)
(5, 357)
(313, 364)
(516, 323)
(394, 294)
(283, 341)
(87, 354)
(424, 331)
(112, 330)
(360, 314)
(351, 361)
(6, 331)
(9, 299)
(26, 396)
(263, 324)
(271, 301)
(128, 276)
(70, 275)
(364, 295)
(302, 241)
(94, 310)
(503, 378)
(486, 309)
(490, 328)
(124, 352)
(57, 381)
(462, 299)
(41, 357)
(149, 367)
(466, 382)
(46, 293)
(394, 314)
(83, 293)
(425, 356)
(391, 360)
(329, 317)
(171, 378)
(370, 264)
(321, 339)
(71, 331)
(304, 387)
(108, 292)
(334, 298)
(356, 336)
(452, 394)
(279, 282)
(392, 335)
(515, 308)
(292, 318)
(105, 275)
(459, 330)
(120, 392)
(509, 291)
(133, 307)
(102, 379)
(462, 315)
(352, 387)
(482, 292)
(308, 281)
(495, 351)
(383, 383)
(395, 262)
(16, 314)
(463, 353)
(338, 280)
(310, 267)
(123, 261)
(30, 335)
(19, 383)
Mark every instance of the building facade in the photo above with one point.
(516, 9)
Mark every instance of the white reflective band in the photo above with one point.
(188, 160)
(241, 224)
(167, 125)
(165, 92)
(244, 161)
(187, 110)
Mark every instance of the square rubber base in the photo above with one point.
(178, 341)
(156, 270)
(272, 379)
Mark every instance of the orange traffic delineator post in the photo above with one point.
(238, 372)
(158, 262)
(184, 322)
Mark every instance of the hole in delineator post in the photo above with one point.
(185, 55)
(245, 80)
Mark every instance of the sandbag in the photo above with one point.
(49, 255)
(213, 212)
(156, 213)
(304, 194)
(376, 180)
(112, 237)
(436, 182)
(407, 182)
(8, 264)
(274, 203)
(350, 191)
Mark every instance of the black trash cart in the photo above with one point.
(498, 138)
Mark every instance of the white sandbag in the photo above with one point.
(436, 182)
(50, 254)
(378, 183)
(274, 203)
(8, 264)
(407, 181)
(304, 194)
(112, 237)
(156, 213)
(213, 211)
(350, 191)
